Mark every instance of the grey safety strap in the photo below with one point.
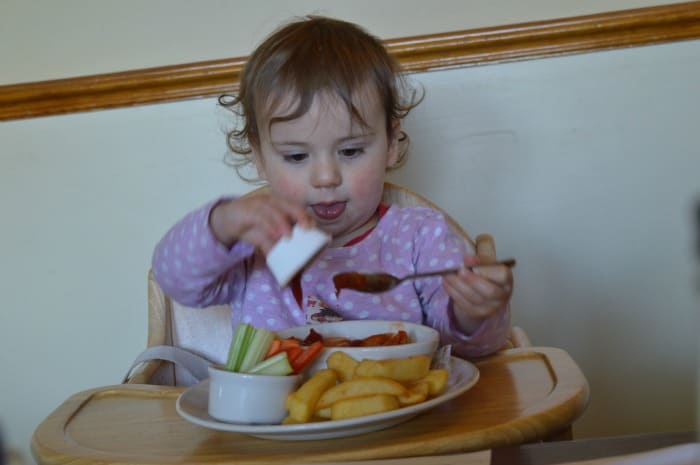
(195, 365)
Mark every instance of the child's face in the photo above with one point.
(332, 165)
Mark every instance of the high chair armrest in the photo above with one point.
(519, 338)
(143, 374)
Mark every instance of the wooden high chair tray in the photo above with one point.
(523, 395)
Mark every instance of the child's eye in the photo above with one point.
(296, 157)
(351, 152)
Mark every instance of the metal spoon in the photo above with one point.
(381, 282)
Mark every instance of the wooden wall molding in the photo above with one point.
(626, 28)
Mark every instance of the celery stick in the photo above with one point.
(277, 365)
(257, 349)
(250, 332)
(238, 342)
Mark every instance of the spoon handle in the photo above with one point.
(510, 262)
(431, 273)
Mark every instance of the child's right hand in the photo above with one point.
(260, 220)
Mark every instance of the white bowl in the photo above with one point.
(249, 398)
(423, 340)
(292, 253)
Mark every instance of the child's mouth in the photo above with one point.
(328, 211)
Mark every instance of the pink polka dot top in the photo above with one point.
(194, 269)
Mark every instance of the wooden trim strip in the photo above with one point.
(626, 28)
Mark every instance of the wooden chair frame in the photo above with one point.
(160, 306)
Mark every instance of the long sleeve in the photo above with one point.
(193, 268)
(437, 246)
(488, 338)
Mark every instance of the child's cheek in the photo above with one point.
(288, 189)
(368, 187)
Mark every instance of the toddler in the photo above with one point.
(321, 103)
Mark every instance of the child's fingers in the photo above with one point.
(471, 261)
(466, 297)
(271, 220)
(477, 289)
(499, 274)
(493, 289)
(488, 268)
(294, 214)
(485, 248)
(260, 221)
(280, 214)
(457, 287)
(263, 234)
(473, 288)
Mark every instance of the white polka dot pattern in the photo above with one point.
(405, 240)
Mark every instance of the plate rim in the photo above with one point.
(324, 427)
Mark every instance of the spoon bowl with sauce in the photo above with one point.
(375, 283)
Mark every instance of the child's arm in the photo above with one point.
(478, 295)
(200, 260)
(473, 330)
(193, 267)
(260, 220)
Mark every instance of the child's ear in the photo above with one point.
(394, 152)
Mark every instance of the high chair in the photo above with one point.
(207, 331)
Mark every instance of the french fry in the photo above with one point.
(360, 387)
(400, 369)
(323, 414)
(349, 388)
(302, 402)
(415, 394)
(360, 406)
(436, 380)
(342, 363)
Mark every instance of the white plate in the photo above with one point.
(192, 406)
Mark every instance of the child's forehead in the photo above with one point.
(365, 100)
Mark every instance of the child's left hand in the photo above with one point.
(478, 294)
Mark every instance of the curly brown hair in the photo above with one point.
(306, 57)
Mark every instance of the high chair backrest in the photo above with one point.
(208, 331)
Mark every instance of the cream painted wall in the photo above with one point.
(583, 167)
(45, 39)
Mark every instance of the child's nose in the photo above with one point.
(325, 172)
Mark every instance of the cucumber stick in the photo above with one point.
(277, 365)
